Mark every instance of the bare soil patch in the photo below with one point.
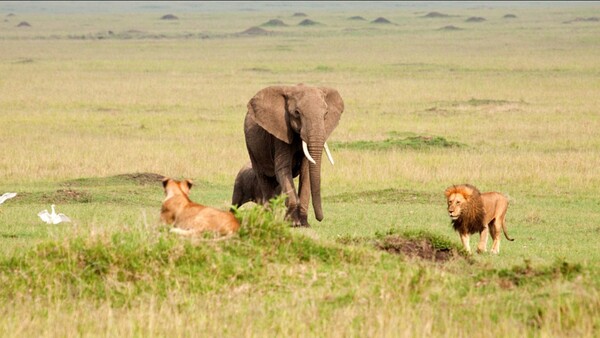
(255, 31)
(357, 18)
(169, 17)
(23, 24)
(450, 28)
(299, 14)
(475, 19)
(436, 15)
(307, 22)
(590, 19)
(381, 20)
(274, 23)
(510, 16)
(67, 196)
(415, 248)
(142, 178)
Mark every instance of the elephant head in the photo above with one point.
(309, 112)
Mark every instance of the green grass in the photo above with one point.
(411, 142)
(92, 120)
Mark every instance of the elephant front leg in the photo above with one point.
(284, 177)
(304, 192)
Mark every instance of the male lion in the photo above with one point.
(189, 218)
(472, 211)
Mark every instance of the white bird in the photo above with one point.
(7, 196)
(53, 218)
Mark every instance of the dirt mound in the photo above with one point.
(307, 22)
(255, 31)
(24, 24)
(475, 19)
(385, 196)
(142, 178)
(590, 19)
(414, 248)
(169, 17)
(357, 17)
(381, 20)
(274, 23)
(10, 14)
(510, 16)
(435, 15)
(450, 28)
(300, 14)
(67, 196)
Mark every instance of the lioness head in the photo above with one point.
(458, 198)
(173, 187)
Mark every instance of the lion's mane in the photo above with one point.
(472, 213)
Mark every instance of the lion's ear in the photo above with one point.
(450, 190)
(189, 183)
(165, 181)
(468, 191)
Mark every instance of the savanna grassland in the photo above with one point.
(96, 105)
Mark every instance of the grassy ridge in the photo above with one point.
(125, 272)
(120, 266)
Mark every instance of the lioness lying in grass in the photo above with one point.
(189, 218)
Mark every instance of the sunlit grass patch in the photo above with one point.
(399, 141)
(385, 196)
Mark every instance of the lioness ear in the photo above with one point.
(165, 181)
(189, 183)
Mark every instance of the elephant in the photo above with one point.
(246, 188)
(286, 129)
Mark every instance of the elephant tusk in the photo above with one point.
(305, 149)
(328, 153)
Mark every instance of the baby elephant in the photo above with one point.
(247, 189)
(189, 218)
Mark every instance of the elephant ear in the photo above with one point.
(268, 109)
(335, 108)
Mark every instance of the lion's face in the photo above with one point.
(456, 201)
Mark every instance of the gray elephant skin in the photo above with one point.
(286, 128)
(246, 188)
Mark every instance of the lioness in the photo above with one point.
(472, 211)
(189, 218)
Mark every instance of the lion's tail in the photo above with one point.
(505, 232)
(510, 199)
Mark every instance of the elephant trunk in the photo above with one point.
(315, 149)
